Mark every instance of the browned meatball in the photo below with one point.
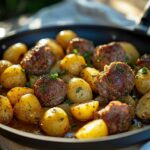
(105, 54)
(82, 45)
(50, 92)
(144, 61)
(38, 60)
(117, 116)
(117, 80)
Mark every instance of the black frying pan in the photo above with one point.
(100, 35)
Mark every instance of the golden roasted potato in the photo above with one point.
(55, 122)
(28, 109)
(94, 129)
(132, 104)
(78, 90)
(15, 53)
(13, 76)
(6, 111)
(15, 93)
(73, 63)
(64, 37)
(131, 51)
(84, 111)
(89, 75)
(3, 65)
(143, 107)
(142, 80)
(55, 48)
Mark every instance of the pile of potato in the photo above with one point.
(21, 103)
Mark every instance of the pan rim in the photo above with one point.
(59, 27)
(72, 140)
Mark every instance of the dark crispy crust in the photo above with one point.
(38, 60)
(105, 54)
(144, 61)
(50, 92)
(82, 45)
(116, 81)
(117, 117)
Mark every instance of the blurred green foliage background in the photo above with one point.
(11, 8)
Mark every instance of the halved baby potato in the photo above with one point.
(94, 129)
(84, 111)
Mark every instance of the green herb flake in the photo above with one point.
(126, 59)
(75, 51)
(87, 57)
(28, 84)
(118, 67)
(120, 99)
(67, 101)
(78, 89)
(53, 76)
(23, 71)
(144, 70)
(74, 126)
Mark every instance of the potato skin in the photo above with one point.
(6, 111)
(55, 48)
(13, 76)
(28, 109)
(84, 111)
(131, 51)
(142, 81)
(142, 108)
(15, 52)
(55, 122)
(94, 129)
(131, 103)
(89, 75)
(3, 65)
(64, 37)
(78, 91)
(15, 93)
(73, 63)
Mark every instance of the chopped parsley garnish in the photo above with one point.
(78, 89)
(144, 70)
(118, 67)
(87, 57)
(75, 51)
(67, 101)
(23, 71)
(126, 59)
(28, 84)
(53, 76)
(74, 127)
(120, 99)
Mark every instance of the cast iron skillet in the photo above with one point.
(100, 35)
